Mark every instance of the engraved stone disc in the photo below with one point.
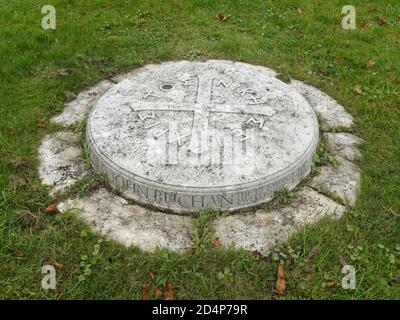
(185, 136)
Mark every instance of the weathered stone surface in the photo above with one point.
(114, 217)
(344, 144)
(76, 110)
(262, 230)
(60, 165)
(331, 112)
(343, 181)
(187, 136)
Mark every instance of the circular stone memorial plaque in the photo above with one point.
(185, 136)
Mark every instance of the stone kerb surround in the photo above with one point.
(131, 224)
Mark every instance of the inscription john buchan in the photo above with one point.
(181, 201)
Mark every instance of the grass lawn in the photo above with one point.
(39, 69)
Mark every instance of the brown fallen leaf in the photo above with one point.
(9, 132)
(158, 293)
(217, 243)
(145, 292)
(370, 64)
(42, 123)
(358, 90)
(19, 254)
(331, 284)
(51, 209)
(257, 255)
(222, 17)
(364, 25)
(396, 81)
(152, 275)
(281, 280)
(56, 264)
(381, 21)
(169, 292)
(340, 61)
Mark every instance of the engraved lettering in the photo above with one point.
(256, 121)
(226, 85)
(143, 118)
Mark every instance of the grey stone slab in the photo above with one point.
(76, 110)
(343, 181)
(114, 217)
(186, 136)
(262, 230)
(60, 164)
(344, 144)
(331, 112)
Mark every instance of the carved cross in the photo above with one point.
(201, 109)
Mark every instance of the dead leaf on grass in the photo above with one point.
(169, 293)
(364, 25)
(370, 64)
(358, 90)
(257, 255)
(145, 292)
(281, 280)
(222, 17)
(158, 293)
(152, 275)
(51, 209)
(381, 21)
(56, 264)
(331, 284)
(340, 61)
(217, 243)
(9, 132)
(42, 123)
